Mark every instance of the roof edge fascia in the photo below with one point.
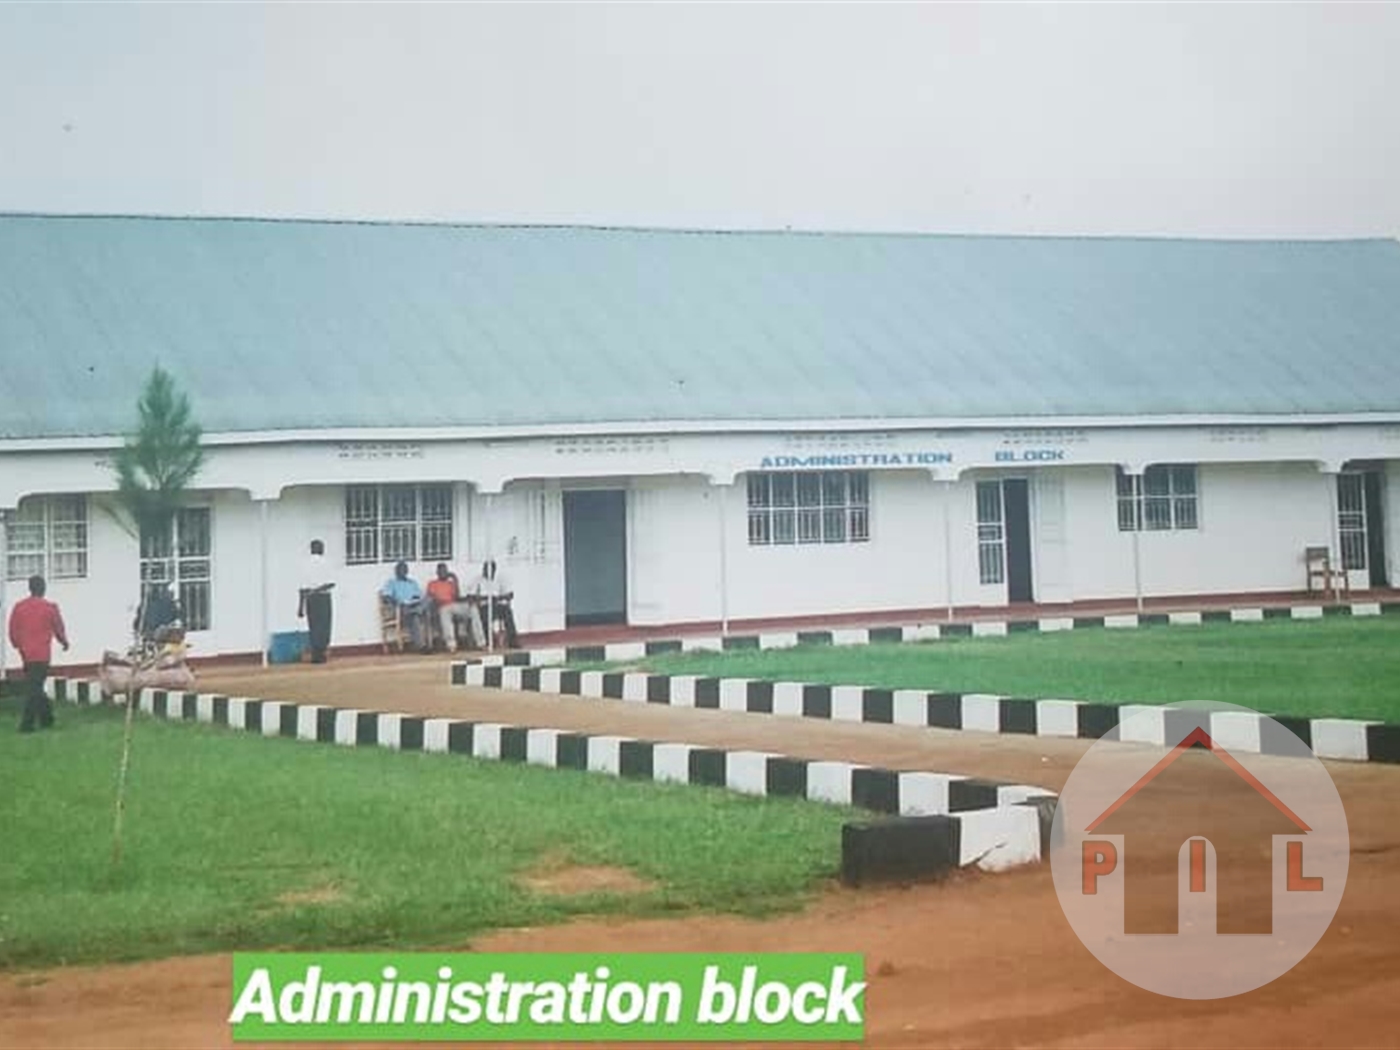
(511, 432)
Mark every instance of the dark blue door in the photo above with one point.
(595, 556)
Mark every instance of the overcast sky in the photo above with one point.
(1179, 119)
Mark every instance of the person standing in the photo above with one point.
(34, 624)
(314, 602)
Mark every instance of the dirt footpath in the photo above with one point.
(978, 961)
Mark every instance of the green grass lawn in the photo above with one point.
(238, 841)
(1334, 667)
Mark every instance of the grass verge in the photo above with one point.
(1344, 668)
(242, 842)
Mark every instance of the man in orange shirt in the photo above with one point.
(446, 594)
(34, 624)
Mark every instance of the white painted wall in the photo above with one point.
(900, 567)
(1255, 521)
(99, 609)
(673, 548)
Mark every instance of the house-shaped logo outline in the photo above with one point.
(1200, 736)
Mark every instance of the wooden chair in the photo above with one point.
(391, 627)
(1319, 565)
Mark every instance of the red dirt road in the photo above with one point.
(978, 961)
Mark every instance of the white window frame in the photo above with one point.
(186, 567)
(991, 533)
(1351, 521)
(1166, 497)
(399, 522)
(58, 554)
(808, 507)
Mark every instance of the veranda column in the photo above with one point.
(1134, 474)
(947, 486)
(1332, 472)
(490, 625)
(263, 587)
(722, 504)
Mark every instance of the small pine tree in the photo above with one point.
(157, 464)
(153, 470)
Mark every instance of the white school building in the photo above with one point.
(668, 427)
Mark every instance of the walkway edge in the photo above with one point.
(988, 824)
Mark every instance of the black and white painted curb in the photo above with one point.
(988, 824)
(1335, 738)
(614, 652)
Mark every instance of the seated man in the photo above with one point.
(404, 592)
(446, 594)
(493, 587)
(158, 612)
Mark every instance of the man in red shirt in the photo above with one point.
(34, 624)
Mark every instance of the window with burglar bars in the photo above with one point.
(1351, 520)
(182, 558)
(1160, 499)
(991, 533)
(47, 536)
(392, 523)
(819, 507)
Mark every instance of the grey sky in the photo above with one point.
(1210, 119)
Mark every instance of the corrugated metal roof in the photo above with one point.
(276, 325)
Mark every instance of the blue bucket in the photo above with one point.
(288, 646)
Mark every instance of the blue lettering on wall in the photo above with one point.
(1030, 455)
(855, 459)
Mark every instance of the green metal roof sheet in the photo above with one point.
(281, 325)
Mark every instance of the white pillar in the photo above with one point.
(263, 587)
(948, 542)
(488, 625)
(1139, 521)
(722, 504)
(1137, 565)
(1335, 561)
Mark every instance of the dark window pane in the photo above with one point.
(1156, 481)
(809, 526)
(758, 527)
(784, 490)
(758, 490)
(989, 563)
(1127, 515)
(860, 489)
(833, 526)
(784, 526)
(398, 503)
(399, 543)
(192, 526)
(834, 489)
(436, 541)
(361, 545)
(1157, 512)
(860, 525)
(989, 501)
(362, 503)
(809, 490)
(194, 603)
(437, 502)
